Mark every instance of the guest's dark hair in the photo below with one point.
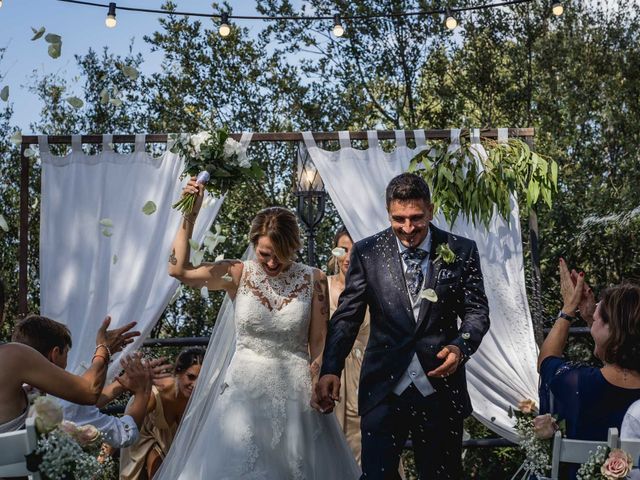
(620, 309)
(342, 231)
(407, 186)
(187, 358)
(42, 334)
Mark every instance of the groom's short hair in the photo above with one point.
(408, 186)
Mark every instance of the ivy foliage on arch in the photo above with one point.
(460, 185)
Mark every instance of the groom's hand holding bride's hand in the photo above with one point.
(327, 393)
(451, 355)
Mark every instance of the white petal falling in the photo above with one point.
(75, 102)
(53, 38)
(106, 222)
(16, 138)
(130, 72)
(338, 252)
(37, 33)
(204, 292)
(3, 224)
(176, 295)
(197, 257)
(149, 208)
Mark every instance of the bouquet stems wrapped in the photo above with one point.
(188, 200)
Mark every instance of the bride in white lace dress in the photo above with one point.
(255, 421)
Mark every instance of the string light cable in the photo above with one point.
(223, 18)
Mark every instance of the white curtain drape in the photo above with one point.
(503, 371)
(89, 269)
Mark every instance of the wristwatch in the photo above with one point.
(567, 317)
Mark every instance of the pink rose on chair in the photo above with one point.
(544, 426)
(617, 465)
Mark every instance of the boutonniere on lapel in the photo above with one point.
(444, 253)
(429, 294)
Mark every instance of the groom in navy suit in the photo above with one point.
(416, 280)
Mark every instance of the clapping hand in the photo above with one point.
(160, 369)
(137, 375)
(587, 305)
(572, 288)
(116, 339)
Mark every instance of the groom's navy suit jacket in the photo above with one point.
(375, 279)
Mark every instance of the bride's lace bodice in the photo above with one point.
(272, 314)
(259, 425)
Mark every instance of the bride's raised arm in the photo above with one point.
(221, 275)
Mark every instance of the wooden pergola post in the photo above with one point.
(526, 134)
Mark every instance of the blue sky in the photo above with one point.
(80, 27)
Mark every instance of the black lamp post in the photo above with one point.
(311, 199)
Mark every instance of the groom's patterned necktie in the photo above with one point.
(413, 257)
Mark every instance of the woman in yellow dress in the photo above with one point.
(347, 408)
(166, 406)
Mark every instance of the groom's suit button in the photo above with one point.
(412, 373)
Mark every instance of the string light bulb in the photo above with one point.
(224, 29)
(111, 21)
(338, 29)
(451, 23)
(557, 8)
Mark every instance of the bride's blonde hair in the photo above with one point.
(281, 227)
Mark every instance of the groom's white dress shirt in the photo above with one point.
(414, 373)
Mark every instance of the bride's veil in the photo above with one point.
(207, 391)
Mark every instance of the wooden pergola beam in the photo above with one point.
(523, 133)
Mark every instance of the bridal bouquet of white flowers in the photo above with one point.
(66, 450)
(216, 159)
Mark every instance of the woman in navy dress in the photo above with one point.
(592, 399)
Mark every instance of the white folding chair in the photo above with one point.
(567, 450)
(13, 448)
(632, 447)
